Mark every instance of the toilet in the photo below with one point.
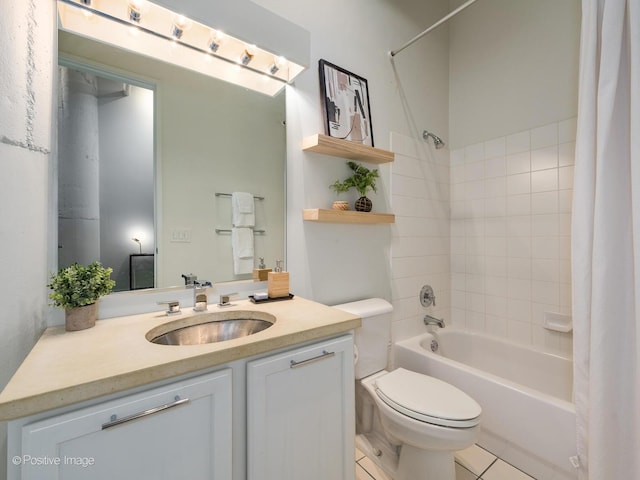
(410, 424)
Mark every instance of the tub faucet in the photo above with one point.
(429, 320)
(200, 295)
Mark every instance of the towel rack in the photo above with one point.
(228, 230)
(219, 194)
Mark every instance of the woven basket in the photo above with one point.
(340, 205)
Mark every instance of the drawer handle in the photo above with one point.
(118, 421)
(324, 355)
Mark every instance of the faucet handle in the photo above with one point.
(173, 306)
(225, 299)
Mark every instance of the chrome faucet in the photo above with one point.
(429, 320)
(200, 295)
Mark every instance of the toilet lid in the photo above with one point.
(428, 399)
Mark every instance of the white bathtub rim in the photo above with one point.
(414, 344)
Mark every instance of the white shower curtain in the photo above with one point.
(606, 242)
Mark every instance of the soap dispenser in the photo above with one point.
(260, 274)
(278, 282)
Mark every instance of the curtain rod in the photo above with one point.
(393, 53)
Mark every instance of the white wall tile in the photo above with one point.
(565, 201)
(518, 163)
(457, 157)
(519, 247)
(495, 167)
(546, 202)
(545, 225)
(544, 180)
(495, 206)
(514, 261)
(519, 226)
(519, 184)
(474, 171)
(495, 187)
(519, 310)
(496, 286)
(474, 153)
(495, 246)
(545, 247)
(457, 174)
(519, 205)
(519, 289)
(543, 269)
(519, 268)
(545, 292)
(565, 178)
(495, 267)
(496, 306)
(544, 158)
(566, 154)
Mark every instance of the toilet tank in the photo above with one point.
(373, 337)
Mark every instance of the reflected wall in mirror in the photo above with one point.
(105, 174)
(208, 137)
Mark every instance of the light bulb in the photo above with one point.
(180, 24)
(215, 40)
(278, 63)
(136, 8)
(248, 54)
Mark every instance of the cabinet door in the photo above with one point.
(182, 430)
(300, 413)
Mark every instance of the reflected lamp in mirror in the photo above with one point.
(144, 27)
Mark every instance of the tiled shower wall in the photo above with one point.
(421, 243)
(510, 234)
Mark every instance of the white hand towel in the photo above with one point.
(242, 209)
(242, 246)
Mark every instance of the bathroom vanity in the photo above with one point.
(107, 403)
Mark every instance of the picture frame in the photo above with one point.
(346, 107)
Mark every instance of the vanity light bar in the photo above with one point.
(100, 22)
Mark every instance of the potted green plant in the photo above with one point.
(362, 180)
(77, 289)
(340, 187)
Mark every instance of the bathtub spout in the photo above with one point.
(429, 320)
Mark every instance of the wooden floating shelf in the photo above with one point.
(337, 147)
(346, 216)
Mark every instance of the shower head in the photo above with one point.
(437, 141)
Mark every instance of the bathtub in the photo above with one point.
(528, 418)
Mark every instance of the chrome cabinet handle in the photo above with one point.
(324, 355)
(118, 421)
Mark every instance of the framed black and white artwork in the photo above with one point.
(347, 111)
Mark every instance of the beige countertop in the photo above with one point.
(64, 368)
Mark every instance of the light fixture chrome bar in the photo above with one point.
(207, 51)
(393, 53)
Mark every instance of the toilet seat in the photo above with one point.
(427, 399)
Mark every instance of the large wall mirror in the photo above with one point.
(146, 189)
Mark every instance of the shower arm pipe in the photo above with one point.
(393, 53)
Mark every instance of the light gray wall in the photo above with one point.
(514, 66)
(26, 69)
(126, 201)
(333, 263)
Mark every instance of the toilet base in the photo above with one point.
(418, 464)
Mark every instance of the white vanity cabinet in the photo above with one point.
(300, 413)
(181, 430)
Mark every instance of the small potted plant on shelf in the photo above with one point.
(362, 180)
(340, 187)
(77, 289)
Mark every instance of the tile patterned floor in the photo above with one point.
(473, 463)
